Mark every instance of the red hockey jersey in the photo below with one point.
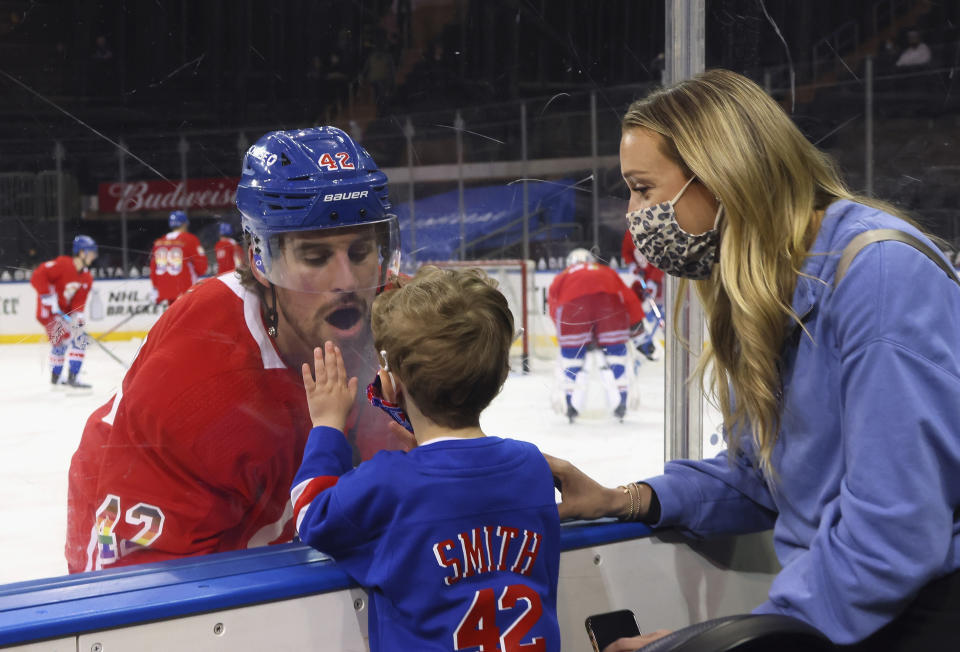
(197, 450)
(176, 262)
(591, 278)
(229, 255)
(632, 256)
(60, 276)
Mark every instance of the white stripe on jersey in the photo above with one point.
(269, 533)
(91, 549)
(251, 313)
(297, 491)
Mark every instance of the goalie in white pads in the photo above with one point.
(590, 304)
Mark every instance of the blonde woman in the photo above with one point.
(840, 390)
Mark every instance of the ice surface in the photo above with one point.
(42, 427)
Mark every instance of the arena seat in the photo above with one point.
(744, 633)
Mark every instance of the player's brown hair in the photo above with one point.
(244, 271)
(447, 335)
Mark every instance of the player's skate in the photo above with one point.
(55, 381)
(571, 411)
(76, 386)
(621, 409)
(649, 350)
(645, 346)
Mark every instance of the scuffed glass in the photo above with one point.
(872, 83)
(497, 125)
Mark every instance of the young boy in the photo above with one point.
(456, 541)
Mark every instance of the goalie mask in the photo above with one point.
(307, 194)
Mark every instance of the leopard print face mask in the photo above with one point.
(669, 248)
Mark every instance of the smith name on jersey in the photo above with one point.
(456, 541)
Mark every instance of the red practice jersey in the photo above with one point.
(229, 254)
(60, 276)
(632, 256)
(176, 262)
(197, 451)
(591, 278)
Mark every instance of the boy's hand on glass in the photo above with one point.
(331, 395)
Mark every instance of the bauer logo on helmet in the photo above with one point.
(340, 196)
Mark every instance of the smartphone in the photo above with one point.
(604, 629)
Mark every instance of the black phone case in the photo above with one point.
(603, 629)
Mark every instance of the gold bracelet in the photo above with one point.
(635, 488)
(629, 516)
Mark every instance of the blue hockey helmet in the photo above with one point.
(226, 230)
(84, 243)
(309, 181)
(177, 219)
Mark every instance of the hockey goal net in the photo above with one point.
(515, 279)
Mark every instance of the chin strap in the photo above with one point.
(272, 313)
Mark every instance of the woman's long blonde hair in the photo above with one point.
(773, 184)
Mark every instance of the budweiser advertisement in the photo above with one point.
(141, 196)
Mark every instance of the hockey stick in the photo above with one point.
(123, 321)
(655, 327)
(653, 303)
(109, 352)
(80, 335)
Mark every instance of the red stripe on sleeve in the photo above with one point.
(314, 488)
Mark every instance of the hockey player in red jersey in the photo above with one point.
(177, 260)
(62, 286)
(638, 265)
(229, 253)
(648, 286)
(590, 304)
(456, 541)
(197, 450)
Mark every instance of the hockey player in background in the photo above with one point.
(590, 304)
(648, 286)
(177, 260)
(457, 541)
(62, 286)
(638, 265)
(229, 253)
(197, 450)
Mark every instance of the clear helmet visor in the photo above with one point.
(345, 259)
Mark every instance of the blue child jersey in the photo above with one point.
(866, 506)
(457, 542)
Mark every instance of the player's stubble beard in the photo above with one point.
(358, 355)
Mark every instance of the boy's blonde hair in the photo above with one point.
(447, 336)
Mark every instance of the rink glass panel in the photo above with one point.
(492, 102)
